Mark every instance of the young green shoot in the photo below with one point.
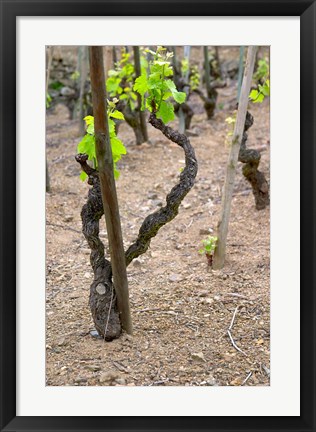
(156, 87)
(87, 144)
(209, 246)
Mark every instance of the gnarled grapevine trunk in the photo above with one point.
(251, 159)
(102, 291)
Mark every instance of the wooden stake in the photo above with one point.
(142, 118)
(207, 69)
(108, 189)
(219, 255)
(186, 56)
(49, 59)
(82, 67)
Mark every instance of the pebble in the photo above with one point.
(93, 368)
(95, 334)
(152, 195)
(81, 380)
(100, 289)
(186, 205)
(137, 262)
(204, 231)
(198, 356)
(175, 277)
(157, 203)
(108, 377)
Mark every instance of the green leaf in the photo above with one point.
(87, 146)
(111, 127)
(256, 96)
(116, 172)
(141, 86)
(117, 115)
(166, 112)
(178, 96)
(118, 148)
(83, 176)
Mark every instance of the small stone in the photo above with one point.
(95, 334)
(62, 342)
(152, 195)
(211, 381)
(120, 381)
(68, 218)
(100, 289)
(80, 380)
(186, 205)
(191, 132)
(204, 231)
(157, 203)
(203, 293)
(236, 382)
(175, 277)
(108, 378)
(93, 368)
(198, 356)
(137, 262)
(87, 275)
(67, 91)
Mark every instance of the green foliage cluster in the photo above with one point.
(261, 76)
(195, 77)
(75, 75)
(156, 87)
(184, 66)
(231, 120)
(257, 96)
(87, 144)
(121, 79)
(262, 70)
(48, 100)
(209, 245)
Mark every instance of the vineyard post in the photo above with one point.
(49, 59)
(142, 117)
(186, 55)
(219, 254)
(83, 73)
(207, 71)
(108, 189)
(240, 70)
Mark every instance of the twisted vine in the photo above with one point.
(251, 159)
(102, 298)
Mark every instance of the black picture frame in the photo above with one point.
(9, 11)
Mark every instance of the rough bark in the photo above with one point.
(141, 114)
(156, 220)
(102, 294)
(251, 159)
(133, 120)
(211, 97)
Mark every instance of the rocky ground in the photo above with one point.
(181, 309)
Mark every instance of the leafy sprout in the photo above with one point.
(156, 87)
(209, 245)
(87, 144)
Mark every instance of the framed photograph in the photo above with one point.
(213, 347)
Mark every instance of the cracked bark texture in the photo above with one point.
(251, 159)
(102, 297)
